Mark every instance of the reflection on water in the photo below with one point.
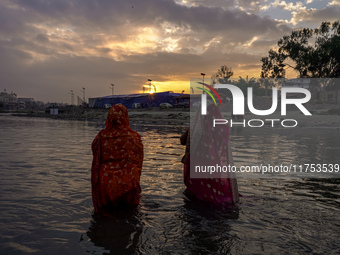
(287, 146)
(119, 233)
(46, 205)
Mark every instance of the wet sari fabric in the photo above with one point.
(117, 162)
(209, 145)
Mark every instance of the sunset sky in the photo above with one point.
(48, 48)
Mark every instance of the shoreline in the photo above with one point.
(151, 115)
(320, 117)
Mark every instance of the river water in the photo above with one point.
(46, 206)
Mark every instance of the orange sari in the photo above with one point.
(117, 162)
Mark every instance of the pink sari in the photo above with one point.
(209, 145)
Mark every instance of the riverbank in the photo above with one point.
(322, 115)
(99, 115)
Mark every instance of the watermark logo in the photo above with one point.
(204, 97)
(238, 100)
(212, 89)
(266, 113)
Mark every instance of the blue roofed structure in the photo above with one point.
(146, 100)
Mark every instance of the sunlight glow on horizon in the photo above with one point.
(164, 86)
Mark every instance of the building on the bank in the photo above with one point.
(25, 103)
(6, 98)
(28, 100)
(144, 100)
(8, 101)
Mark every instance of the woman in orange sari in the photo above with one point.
(117, 162)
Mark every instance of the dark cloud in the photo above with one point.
(48, 48)
(115, 16)
(41, 38)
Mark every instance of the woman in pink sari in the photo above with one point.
(209, 146)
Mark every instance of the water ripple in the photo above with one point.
(46, 206)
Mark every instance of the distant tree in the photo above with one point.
(222, 75)
(313, 53)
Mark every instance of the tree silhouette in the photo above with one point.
(222, 75)
(312, 53)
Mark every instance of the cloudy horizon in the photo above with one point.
(49, 48)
